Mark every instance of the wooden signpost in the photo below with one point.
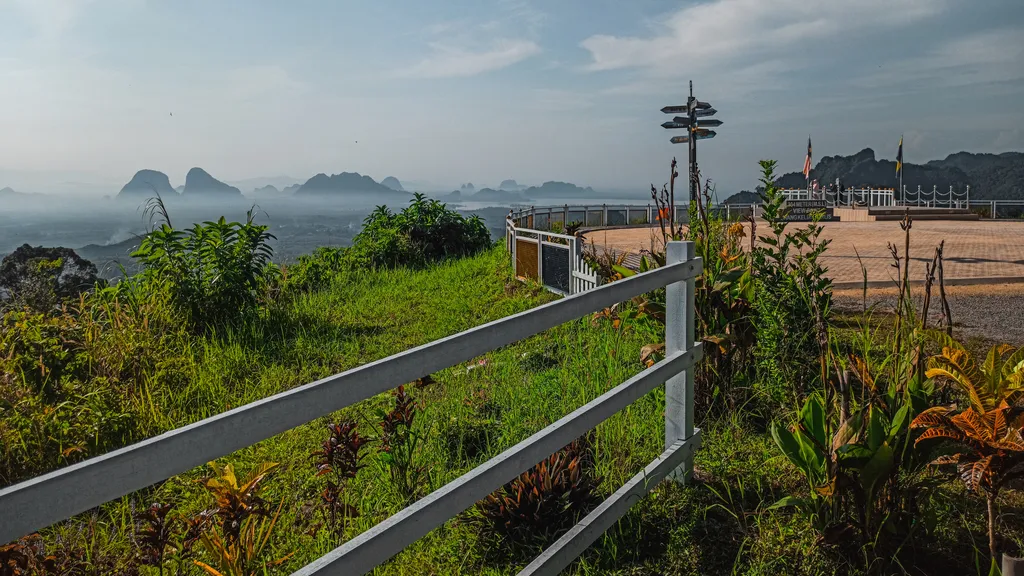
(696, 122)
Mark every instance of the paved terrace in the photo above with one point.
(974, 250)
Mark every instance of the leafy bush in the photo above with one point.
(546, 499)
(426, 231)
(214, 272)
(339, 459)
(987, 435)
(314, 271)
(41, 278)
(52, 410)
(792, 303)
(398, 442)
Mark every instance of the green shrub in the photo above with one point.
(214, 272)
(792, 301)
(426, 231)
(315, 271)
(52, 411)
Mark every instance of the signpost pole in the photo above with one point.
(692, 112)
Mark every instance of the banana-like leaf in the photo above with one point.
(848, 432)
(812, 417)
(789, 445)
(877, 469)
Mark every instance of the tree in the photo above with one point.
(41, 277)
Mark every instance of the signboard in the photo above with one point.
(676, 124)
(709, 122)
(803, 210)
(680, 139)
(706, 112)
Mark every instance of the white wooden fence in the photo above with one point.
(41, 501)
(558, 263)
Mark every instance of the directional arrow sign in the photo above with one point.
(675, 109)
(706, 112)
(680, 139)
(709, 122)
(698, 105)
(676, 124)
(705, 134)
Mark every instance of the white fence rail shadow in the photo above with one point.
(35, 504)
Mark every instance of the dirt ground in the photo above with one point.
(979, 249)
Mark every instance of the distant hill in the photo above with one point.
(510, 185)
(744, 197)
(504, 196)
(557, 190)
(268, 191)
(289, 190)
(467, 187)
(146, 184)
(12, 194)
(454, 196)
(199, 183)
(393, 183)
(346, 183)
(990, 176)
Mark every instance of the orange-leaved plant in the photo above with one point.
(987, 434)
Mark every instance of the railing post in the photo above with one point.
(679, 334)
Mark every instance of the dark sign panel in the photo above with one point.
(556, 267)
(805, 210)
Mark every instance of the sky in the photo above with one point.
(441, 93)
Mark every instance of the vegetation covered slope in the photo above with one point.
(116, 367)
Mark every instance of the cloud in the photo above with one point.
(987, 57)
(446, 61)
(709, 33)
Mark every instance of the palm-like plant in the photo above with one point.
(245, 520)
(990, 447)
(1000, 378)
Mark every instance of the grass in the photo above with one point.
(722, 524)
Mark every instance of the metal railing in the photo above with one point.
(870, 197)
(612, 215)
(41, 501)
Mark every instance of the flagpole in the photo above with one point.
(901, 171)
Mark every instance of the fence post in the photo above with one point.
(679, 333)
(540, 258)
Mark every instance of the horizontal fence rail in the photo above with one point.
(41, 501)
(580, 537)
(364, 552)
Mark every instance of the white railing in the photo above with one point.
(41, 501)
(607, 215)
(870, 197)
(936, 199)
(558, 264)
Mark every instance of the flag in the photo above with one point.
(899, 158)
(807, 161)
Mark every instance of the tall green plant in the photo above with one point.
(214, 272)
(793, 299)
(425, 231)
